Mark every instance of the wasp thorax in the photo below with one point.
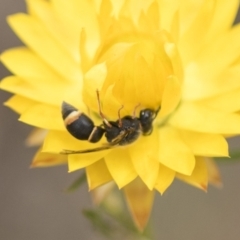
(124, 131)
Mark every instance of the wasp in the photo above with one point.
(118, 133)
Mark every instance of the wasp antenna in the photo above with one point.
(157, 111)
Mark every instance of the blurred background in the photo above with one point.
(35, 205)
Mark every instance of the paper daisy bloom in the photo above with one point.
(177, 59)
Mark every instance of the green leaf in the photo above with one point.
(234, 156)
(113, 220)
(77, 183)
(99, 222)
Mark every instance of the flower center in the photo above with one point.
(138, 69)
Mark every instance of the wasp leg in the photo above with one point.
(119, 117)
(101, 113)
(102, 148)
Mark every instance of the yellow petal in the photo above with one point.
(97, 174)
(199, 177)
(34, 34)
(48, 159)
(140, 201)
(57, 141)
(172, 52)
(205, 119)
(218, 18)
(154, 16)
(171, 96)
(73, 96)
(126, 86)
(116, 6)
(38, 78)
(168, 9)
(164, 179)
(149, 22)
(78, 161)
(120, 166)
(44, 116)
(214, 176)
(36, 137)
(105, 17)
(93, 81)
(135, 73)
(174, 27)
(204, 77)
(223, 58)
(100, 193)
(196, 87)
(205, 144)
(144, 158)
(43, 11)
(26, 64)
(40, 93)
(19, 104)
(193, 37)
(223, 18)
(174, 153)
(110, 105)
(78, 15)
(227, 102)
(86, 62)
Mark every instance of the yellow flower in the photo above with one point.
(181, 56)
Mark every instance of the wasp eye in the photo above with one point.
(146, 118)
(146, 114)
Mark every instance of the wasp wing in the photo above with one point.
(119, 138)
